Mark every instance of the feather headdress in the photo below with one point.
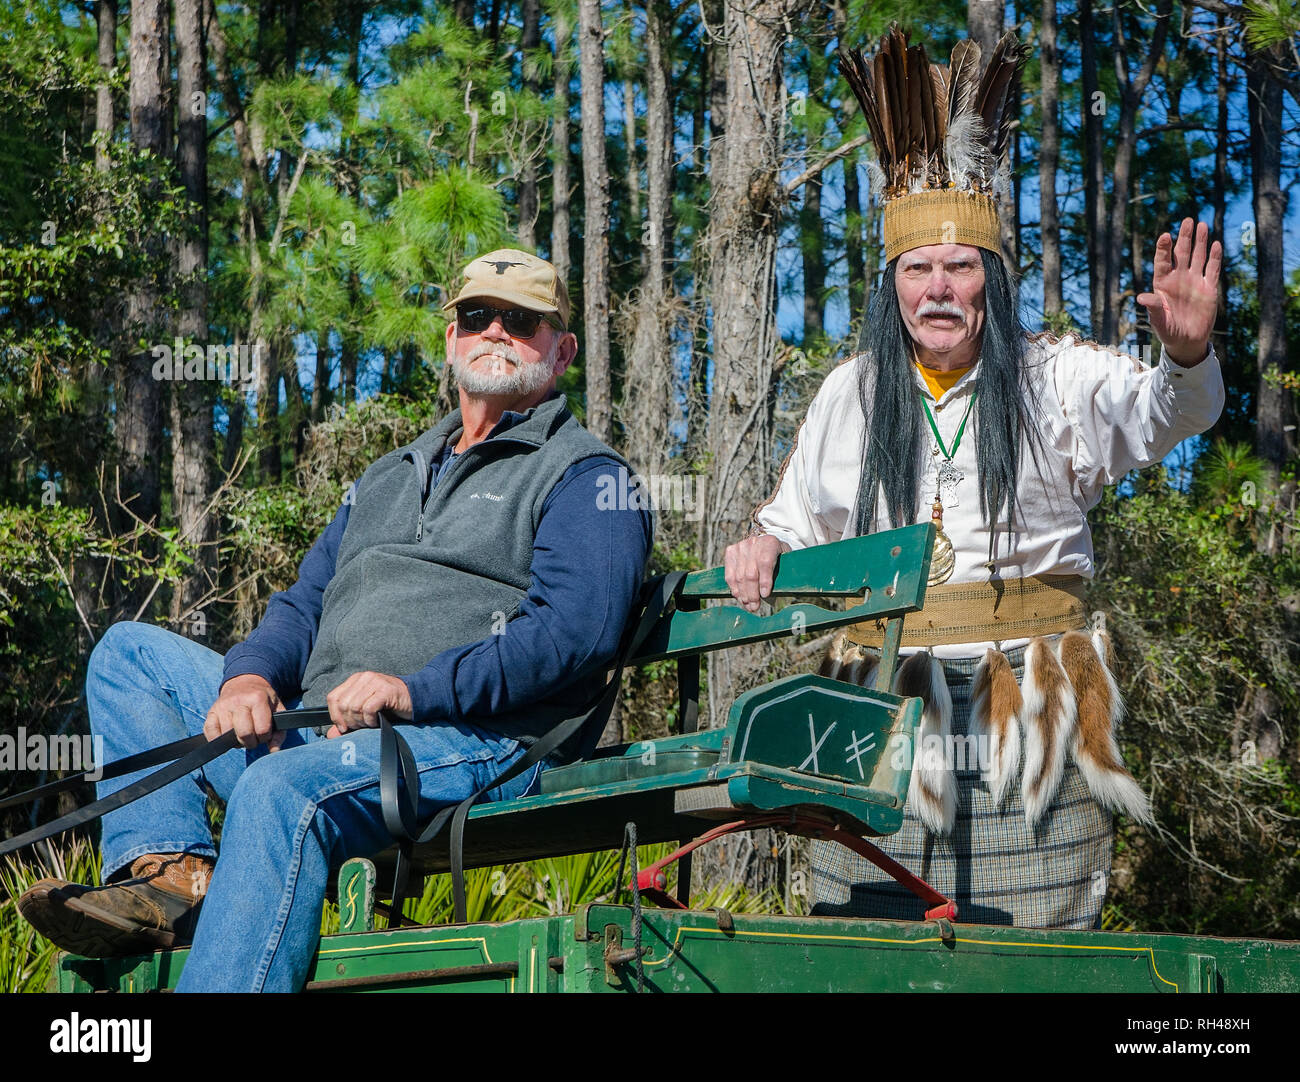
(940, 135)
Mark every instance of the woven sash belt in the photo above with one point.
(987, 612)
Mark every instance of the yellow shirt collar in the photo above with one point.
(940, 383)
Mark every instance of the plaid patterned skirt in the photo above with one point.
(992, 865)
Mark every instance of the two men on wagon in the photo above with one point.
(950, 411)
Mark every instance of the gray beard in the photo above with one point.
(521, 380)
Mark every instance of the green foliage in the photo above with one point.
(1268, 22)
(70, 250)
(27, 959)
(1230, 479)
(560, 885)
(1060, 323)
(1207, 641)
(44, 551)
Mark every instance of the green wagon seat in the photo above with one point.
(804, 742)
(628, 763)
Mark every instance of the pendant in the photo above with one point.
(944, 558)
(946, 480)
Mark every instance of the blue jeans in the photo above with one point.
(292, 817)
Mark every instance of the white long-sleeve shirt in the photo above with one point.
(1103, 414)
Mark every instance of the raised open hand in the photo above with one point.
(1184, 295)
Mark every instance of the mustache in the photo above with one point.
(938, 308)
(496, 349)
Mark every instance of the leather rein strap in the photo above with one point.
(400, 805)
(185, 756)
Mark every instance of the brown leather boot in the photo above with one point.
(155, 909)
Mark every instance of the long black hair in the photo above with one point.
(894, 440)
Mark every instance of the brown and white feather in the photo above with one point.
(963, 79)
(999, 94)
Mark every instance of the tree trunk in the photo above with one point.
(1131, 90)
(853, 240)
(854, 252)
(238, 411)
(252, 170)
(875, 250)
(1049, 152)
(192, 401)
(285, 367)
(1275, 409)
(648, 409)
(812, 241)
(699, 110)
(494, 24)
(984, 25)
(813, 256)
(1141, 328)
(295, 398)
(529, 39)
(251, 161)
(629, 142)
(1094, 170)
(1220, 196)
(269, 466)
(745, 220)
(351, 186)
(595, 241)
(713, 93)
(110, 317)
(560, 153)
(138, 418)
(88, 442)
(348, 361)
(106, 29)
(743, 231)
(984, 22)
(320, 392)
(717, 70)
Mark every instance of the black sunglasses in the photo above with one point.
(518, 322)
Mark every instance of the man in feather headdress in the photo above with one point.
(1005, 440)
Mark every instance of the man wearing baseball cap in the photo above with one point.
(473, 586)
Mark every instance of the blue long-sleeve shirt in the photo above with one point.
(587, 566)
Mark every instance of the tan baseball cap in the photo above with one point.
(515, 278)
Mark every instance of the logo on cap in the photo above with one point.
(501, 264)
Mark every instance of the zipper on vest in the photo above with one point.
(416, 456)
